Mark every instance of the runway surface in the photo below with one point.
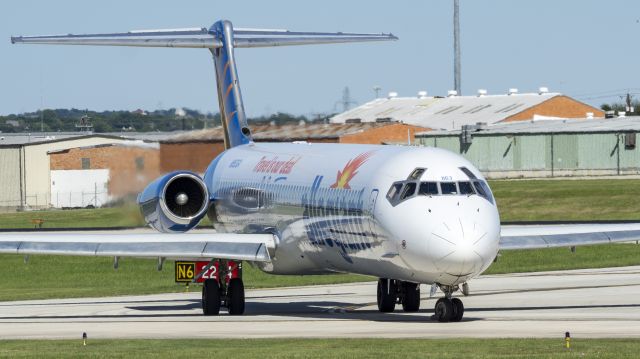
(587, 303)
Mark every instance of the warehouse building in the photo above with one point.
(25, 172)
(195, 150)
(453, 112)
(546, 148)
(95, 175)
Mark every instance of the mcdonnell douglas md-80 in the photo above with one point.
(406, 215)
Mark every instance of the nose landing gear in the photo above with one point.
(449, 309)
(392, 292)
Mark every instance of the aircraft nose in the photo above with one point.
(460, 248)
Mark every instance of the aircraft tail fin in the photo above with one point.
(221, 39)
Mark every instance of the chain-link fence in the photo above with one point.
(70, 199)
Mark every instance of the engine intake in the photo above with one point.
(175, 202)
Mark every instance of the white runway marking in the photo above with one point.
(587, 303)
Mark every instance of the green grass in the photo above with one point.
(323, 348)
(521, 200)
(597, 256)
(526, 200)
(568, 200)
(67, 277)
(127, 216)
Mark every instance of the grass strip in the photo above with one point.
(323, 348)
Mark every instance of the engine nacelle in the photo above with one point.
(175, 202)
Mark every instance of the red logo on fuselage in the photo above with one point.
(350, 170)
(275, 166)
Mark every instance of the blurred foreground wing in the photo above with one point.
(248, 247)
(566, 235)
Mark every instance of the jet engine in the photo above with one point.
(175, 202)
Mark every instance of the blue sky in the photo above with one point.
(587, 49)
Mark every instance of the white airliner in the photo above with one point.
(406, 215)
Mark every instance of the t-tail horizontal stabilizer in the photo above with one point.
(202, 38)
(221, 38)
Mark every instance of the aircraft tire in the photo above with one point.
(386, 297)
(444, 310)
(411, 298)
(235, 297)
(458, 310)
(211, 297)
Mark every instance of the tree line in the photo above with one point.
(71, 120)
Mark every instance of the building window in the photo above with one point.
(630, 141)
(86, 163)
(139, 163)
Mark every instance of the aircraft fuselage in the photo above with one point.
(422, 215)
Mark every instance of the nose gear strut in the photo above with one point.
(449, 309)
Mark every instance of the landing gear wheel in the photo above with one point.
(444, 310)
(235, 297)
(458, 310)
(411, 298)
(211, 297)
(387, 295)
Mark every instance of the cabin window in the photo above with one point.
(465, 188)
(448, 188)
(428, 189)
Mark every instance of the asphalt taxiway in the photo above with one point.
(587, 303)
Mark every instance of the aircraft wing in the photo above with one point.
(248, 247)
(566, 235)
(201, 38)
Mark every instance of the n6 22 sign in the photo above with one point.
(187, 271)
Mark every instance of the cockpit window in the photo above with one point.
(465, 188)
(408, 190)
(404, 190)
(416, 174)
(448, 188)
(483, 190)
(394, 190)
(428, 189)
(468, 173)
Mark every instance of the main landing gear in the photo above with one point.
(392, 292)
(224, 289)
